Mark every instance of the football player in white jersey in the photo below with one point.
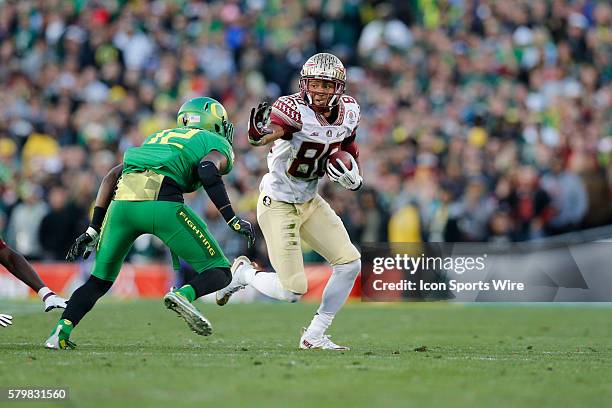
(304, 129)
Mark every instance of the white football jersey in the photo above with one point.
(297, 162)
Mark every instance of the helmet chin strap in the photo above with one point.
(324, 108)
(309, 99)
(332, 100)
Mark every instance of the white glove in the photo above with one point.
(5, 320)
(349, 179)
(54, 302)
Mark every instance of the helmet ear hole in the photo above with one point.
(217, 128)
(184, 120)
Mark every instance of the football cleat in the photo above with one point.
(59, 338)
(192, 316)
(322, 343)
(238, 280)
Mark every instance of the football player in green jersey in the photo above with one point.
(148, 198)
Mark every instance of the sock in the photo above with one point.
(209, 281)
(45, 292)
(320, 322)
(335, 294)
(188, 292)
(269, 284)
(84, 298)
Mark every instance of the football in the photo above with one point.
(344, 158)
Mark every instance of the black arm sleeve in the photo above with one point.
(212, 183)
(97, 218)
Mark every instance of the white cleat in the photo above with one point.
(58, 340)
(53, 341)
(238, 280)
(192, 316)
(322, 343)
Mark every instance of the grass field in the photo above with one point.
(422, 355)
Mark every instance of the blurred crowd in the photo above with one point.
(481, 120)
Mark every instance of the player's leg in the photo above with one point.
(187, 236)
(16, 264)
(280, 224)
(125, 221)
(324, 232)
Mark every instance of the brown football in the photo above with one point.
(344, 158)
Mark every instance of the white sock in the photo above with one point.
(335, 294)
(43, 292)
(320, 322)
(269, 284)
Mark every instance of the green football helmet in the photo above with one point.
(207, 114)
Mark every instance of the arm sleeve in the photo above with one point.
(215, 188)
(350, 146)
(222, 146)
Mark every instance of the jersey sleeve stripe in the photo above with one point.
(286, 118)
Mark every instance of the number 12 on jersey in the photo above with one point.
(173, 137)
(309, 161)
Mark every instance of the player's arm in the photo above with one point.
(260, 132)
(16, 264)
(350, 146)
(210, 169)
(276, 132)
(87, 241)
(270, 123)
(107, 189)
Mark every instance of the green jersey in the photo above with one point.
(176, 153)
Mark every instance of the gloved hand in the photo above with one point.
(54, 302)
(243, 227)
(349, 179)
(5, 320)
(257, 123)
(83, 245)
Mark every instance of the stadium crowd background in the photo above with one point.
(481, 120)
